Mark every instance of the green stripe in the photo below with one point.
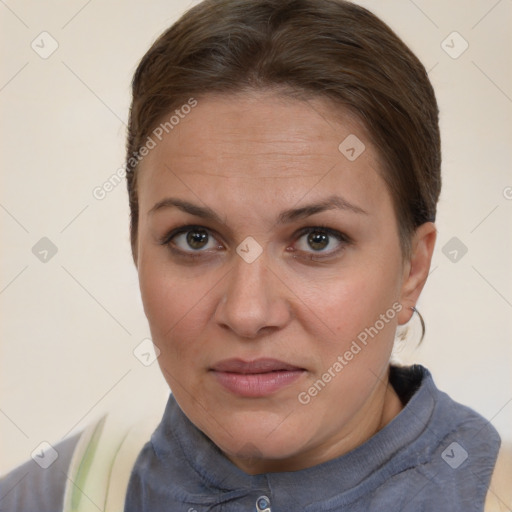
(85, 465)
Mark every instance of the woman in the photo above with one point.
(283, 170)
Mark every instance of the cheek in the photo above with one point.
(170, 302)
(158, 291)
(355, 298)
(352, 328)
(349, 309)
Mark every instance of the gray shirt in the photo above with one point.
(434, 455)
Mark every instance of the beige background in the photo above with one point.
(70, 325)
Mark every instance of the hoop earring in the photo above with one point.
(414, 310)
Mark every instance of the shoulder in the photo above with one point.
(457, 451)
(94, 467)
(35, 485)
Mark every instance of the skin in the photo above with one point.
(249, 157)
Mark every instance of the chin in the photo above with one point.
(252, 436)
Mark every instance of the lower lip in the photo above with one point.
(257, 384)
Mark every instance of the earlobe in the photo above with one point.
(417, 269)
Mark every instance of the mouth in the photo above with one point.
(258, 378)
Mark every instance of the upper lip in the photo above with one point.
(263, 365)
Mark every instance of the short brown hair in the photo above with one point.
(330, 49)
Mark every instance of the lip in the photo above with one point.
(258, 378)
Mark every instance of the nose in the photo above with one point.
(254, 300)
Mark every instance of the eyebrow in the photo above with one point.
(333, 202)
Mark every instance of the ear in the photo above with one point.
(416, 269)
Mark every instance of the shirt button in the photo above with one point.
(263, 504)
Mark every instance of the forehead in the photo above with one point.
(261, 145)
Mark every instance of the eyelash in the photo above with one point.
(338, 235)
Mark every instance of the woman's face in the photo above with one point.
(272, 277)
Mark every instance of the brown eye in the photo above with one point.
(318, 240)
(191, 241)
(197, 238)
